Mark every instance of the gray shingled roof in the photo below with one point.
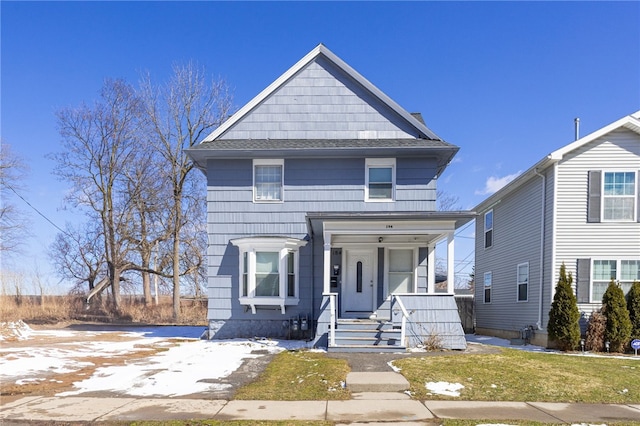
(298, 144)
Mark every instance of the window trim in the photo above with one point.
(486, 231)
(633, 196)
(486, 287)
(248, 247)
(617, 279)
(268, 162)
(414, 276)
(380, 163)
(519, 283)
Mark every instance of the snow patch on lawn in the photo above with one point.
(444, 388)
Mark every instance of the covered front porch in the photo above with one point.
(379, 271)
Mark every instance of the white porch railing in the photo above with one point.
(405, 315)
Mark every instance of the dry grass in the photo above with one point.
(513, 375)
(55, 309)
(299, 376)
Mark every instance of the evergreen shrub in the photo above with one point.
(614, 307)
(564, 317)
(633, 306)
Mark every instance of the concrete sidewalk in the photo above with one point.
(363, 407)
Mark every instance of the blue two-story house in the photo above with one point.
(321, 216)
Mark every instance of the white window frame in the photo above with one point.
(520, 282)
(487, 230)
(268, 162)
(414, 277)
(380, 163)
(625, 284)
(487, 284)
(633, 196)
(248, 248)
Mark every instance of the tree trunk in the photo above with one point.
(176, 262)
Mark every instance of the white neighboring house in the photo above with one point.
(579, 205)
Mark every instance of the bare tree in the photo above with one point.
(446, 201)
(180, 113)
(78, 253)
(148, 228)
(13, 222)
(99, 143)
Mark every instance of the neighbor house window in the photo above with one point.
(488, 229)
(603, 272)
(268, 180)
(380, 179)
(268, 271)
(487, 287)
(523, 282)
(624, 272)
(619, 196)
(401, 276)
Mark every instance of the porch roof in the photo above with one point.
(388, 223)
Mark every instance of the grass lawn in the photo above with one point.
(513, 375)
(299, 376)
(509, 375)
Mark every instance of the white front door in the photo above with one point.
(358, 285)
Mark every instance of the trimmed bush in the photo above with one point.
(595, 332)
(614, 307)
(564, 317)
(633, 306)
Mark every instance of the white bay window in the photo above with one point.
(268, 271)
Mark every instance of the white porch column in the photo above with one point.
(326, 274)
(451, 273)
(431, 269)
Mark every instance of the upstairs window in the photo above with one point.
(380, 179)
(268, 180)
(619, 196)
(613, 196)
(488, 229)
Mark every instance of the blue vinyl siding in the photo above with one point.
(310, 185)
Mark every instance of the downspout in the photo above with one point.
(542, 228)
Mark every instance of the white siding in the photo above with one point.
(517, 222)
(575, 238)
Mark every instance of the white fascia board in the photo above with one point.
(264, 94)
(631, 122)
(378, 93)
(390, 227)
(320, 49)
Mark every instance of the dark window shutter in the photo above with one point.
(594, 198)
(583, 280)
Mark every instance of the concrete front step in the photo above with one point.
(366, 336)
(376, 382)
(367, 348)
(343, 339)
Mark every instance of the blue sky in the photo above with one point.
(501, 80)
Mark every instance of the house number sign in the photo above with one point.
(635, 344)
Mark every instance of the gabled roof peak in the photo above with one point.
(321, 50)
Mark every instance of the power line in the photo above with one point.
(35, 209)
